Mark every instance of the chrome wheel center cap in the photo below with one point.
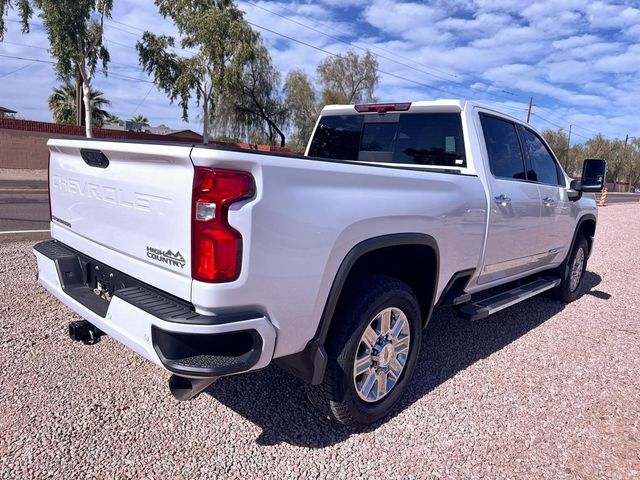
(385, 355)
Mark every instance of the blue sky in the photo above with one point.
(580, 60)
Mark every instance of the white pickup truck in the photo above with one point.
(212, 261)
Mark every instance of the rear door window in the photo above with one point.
(503, 148)
(408, 138)
(337, 137)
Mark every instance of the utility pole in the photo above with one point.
(626, 140)
(568, 148)
(529, 111)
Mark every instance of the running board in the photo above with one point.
(484, 308)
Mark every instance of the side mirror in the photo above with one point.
(594, 175)
(574, 193)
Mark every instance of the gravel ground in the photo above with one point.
(538, 391)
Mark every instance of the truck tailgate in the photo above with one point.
(127, 205)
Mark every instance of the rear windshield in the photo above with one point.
(403, 138)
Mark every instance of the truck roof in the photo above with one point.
(444, 105)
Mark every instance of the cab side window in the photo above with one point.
(542, 166)
(503, 147)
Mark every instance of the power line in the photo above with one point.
(121, 29)
(313, 29)
(343, 33)
(557, 116)
(495, 95)
(557, 126)
(381, 71)
(25, 45)
(35, 60)
(316, 30)
(50, 62)
(17, 70)
(126, 65)
(193, 52)
(449, 92)
(336, 55)
(143, 100)
(392, 60)
(119, 44)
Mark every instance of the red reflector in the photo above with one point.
(383, 107)
(216, 246)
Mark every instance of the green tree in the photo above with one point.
(141, 119)
(75, 29)
(348, 78)
(558, 140)
(302, 106)
(256, 109)
(633, 163)
(63, 105)
(224, 43)
(113, 118)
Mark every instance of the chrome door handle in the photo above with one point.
(548, 201)
(503, 200)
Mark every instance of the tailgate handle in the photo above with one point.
(94, 158)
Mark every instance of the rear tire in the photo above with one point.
(572, 272)
(373, 347)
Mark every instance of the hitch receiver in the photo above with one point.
(85, 332)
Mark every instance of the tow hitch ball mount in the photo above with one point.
(85, 332)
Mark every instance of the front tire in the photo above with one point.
(373, 347)
(572, 272)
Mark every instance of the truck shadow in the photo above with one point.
(276, 402)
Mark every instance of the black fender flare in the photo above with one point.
(561, 269)
(581, 220)
(311, 362)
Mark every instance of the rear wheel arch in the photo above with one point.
(403, 256)
(411, 258)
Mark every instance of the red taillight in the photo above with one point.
(383, 107)
(216, 247)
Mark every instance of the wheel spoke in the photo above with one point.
(370, 337)
(397, 328)
(395, 368)
(382, 384)
(362, 364)
(385, 322)
(368, 383)
(402, 345)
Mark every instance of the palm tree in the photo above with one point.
(114, 119)
(141, 119)
(62, 104)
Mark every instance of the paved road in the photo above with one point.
(24, 206)
(23, 211)
(613, 197)
(19, 184)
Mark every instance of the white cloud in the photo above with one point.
(627, 62)
(579, 60)
(612, 15)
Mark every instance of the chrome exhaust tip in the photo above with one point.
(183, 388)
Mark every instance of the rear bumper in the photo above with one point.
(157, 326)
